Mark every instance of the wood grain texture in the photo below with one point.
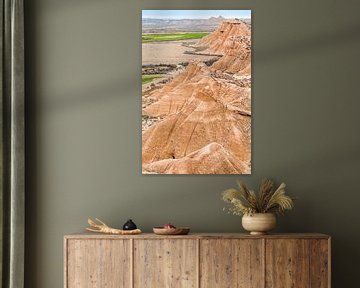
(164, 263)
(98, 264)
(88, 235)
(287, 263)
(231, 263)
(319, 263)
(197, 260)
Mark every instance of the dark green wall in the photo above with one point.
(83, 125)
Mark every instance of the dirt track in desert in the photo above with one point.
(200, 119)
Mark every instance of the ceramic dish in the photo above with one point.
(171, 231)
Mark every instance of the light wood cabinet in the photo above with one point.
(197, 261)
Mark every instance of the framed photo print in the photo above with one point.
(196, 91)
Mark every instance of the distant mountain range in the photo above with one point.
(150, 25)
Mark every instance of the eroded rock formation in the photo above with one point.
(197, 83)
(216, 42)
(237, 57)
(211, 159)
(204, 113)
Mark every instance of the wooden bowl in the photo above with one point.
(171, 231)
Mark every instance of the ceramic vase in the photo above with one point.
(259, 223)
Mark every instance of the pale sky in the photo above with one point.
(195, 14)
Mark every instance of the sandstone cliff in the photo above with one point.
(211, 159)
(237, 57)
(203, 114)
(216, 42)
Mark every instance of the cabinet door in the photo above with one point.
(98, 263)
(231, 263)
(287, 263)
(320, 263)
(170, 263)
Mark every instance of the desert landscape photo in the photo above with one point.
(196, 92)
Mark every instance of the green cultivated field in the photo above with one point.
(171, 37)
(149, 78)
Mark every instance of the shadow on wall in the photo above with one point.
(313, 44)
(100, 93)
(336, 213)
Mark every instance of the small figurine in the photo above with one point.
(129, 225)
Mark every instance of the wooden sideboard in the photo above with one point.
(197, 260)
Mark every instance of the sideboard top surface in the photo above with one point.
(86, 235)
